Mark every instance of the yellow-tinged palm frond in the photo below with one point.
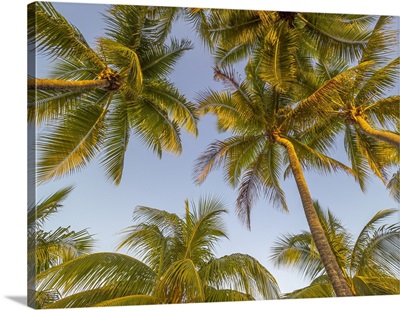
(370, 262)
(73, 143)
(242, 272)
(99, 297)
(135, 56)
(278, 61)
(382, 42)
(133, 300)
(336, 35)
(152, 124)
(385, 111)
(181, 111)
(225, 295)
(394, 186)
(54, 36)
(317, 290)
(99, 270)
(38, 213)
(181, 283)
(157, 61)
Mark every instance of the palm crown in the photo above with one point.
(174, 262)
(100, 97)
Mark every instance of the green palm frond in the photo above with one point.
(394, 186)
(230, 55)
(88, 272)
(47, 106)
(370, 263)
(365, 286)
(379, 83)
(298, 251)
(128, 25)
(233, 26)
(319, 290)
(49, 249)
(115, 142)
(128, 301)
(385, 111)
(355, 150)
(148, 243)
(87, 298)
(181, 111)
(346, 40)
(225, 295)
(218, 151)
(181, 283)
(126, 60)
(381, 42)
(71, 144)
(159, 60)
(203, 229)
(39, 213)
(312, 159)
(154, 127)
(55, 37)
(242, 272)
(278, 62)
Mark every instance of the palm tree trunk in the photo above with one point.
(50, 84)
(332, 268)
(389, 137)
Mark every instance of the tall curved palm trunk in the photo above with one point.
(388, 137)
(328, 258)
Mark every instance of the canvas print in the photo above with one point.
(194, 155)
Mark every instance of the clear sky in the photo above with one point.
(105, 210)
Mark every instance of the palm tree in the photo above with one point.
(98, 97)
(173, 262)
(47, 249)
(358, 104)
(264, 140)
(235, 34)
(370, 262)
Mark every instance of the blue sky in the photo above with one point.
(105, 210)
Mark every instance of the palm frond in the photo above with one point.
(181, 283)
(154, 127)
(278, 63)
(376, 286)
(128, 301)
(225, 295)
(73, 143)
(385, 111)
(242, 273)
(346, 40)
(39, 213)
(203, 229)
(48, 249)
(379, 83)
(159, 60)
(55, 37)
(298, 251)
(358, 162)
(93, 271)
(319, 290)
(116, 140)
(394, 186)
(181, 111)
(126, 60)
(381, 42)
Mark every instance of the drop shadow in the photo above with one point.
(18, 299)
